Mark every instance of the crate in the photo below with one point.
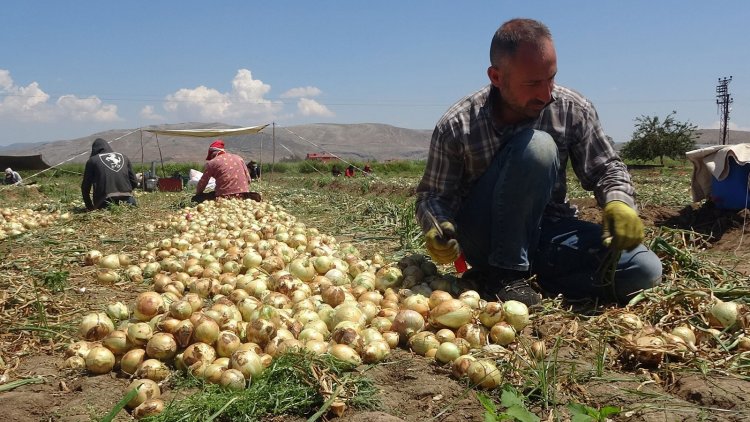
(170, 184)
(732, 192)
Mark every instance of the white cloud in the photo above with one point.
(87, 109)
(310, 107)
(307, 91)
(243, 102)
(31, 103)
(148, 113)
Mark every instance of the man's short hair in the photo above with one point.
(512, 34)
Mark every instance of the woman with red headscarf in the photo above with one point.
(228, 170)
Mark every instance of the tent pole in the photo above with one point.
(273, 155)
(163, 173)
(260, 159)
(142, 158)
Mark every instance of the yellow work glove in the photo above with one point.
(443, 249)
(623, 229)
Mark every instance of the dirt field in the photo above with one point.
(413, 388)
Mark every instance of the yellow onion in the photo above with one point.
(345, 354)
(631, 321)
(100, 360)
(107, 276)
(686, 334)
(95, 326)
(232, 379)
(392, 338)
(148, 305)
(117, 311)
(316, 346)
(161, 346)
(649, 350)
(247, 362)
(445, 334)
(375, 351)
(111, 261)
(447, 352)
(451, 313)
(147, 389)
(78, 348)
(471, 298)
(346, 333)
(92, 257)
(538, 350)
(183, 333)
(117, 342)
(516, 314)
(75, 362)
(139, 333)
(152, 369)
(180, 309)
(491, 314)
(461, 365)
(502, 333)
(484, 374)
(206, 330)
(198, 353)
(150, 407)
(475, 334)
(423, 341)
(227, 343)
(388, 277)
(407, 323)
(726, 313)
(132, 360)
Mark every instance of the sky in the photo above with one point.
(69, 69)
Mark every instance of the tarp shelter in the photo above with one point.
(23, 162)
(204, 133)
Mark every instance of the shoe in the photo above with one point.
(519, 290)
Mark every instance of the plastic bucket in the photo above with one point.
(732, 192)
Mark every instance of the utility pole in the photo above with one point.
(723, 100)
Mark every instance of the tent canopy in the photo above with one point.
(208, 133)
(23, 162)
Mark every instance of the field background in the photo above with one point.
(44, 291)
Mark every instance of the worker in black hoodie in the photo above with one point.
(111, 175)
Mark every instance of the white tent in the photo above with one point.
(201, 133)
(208, 133)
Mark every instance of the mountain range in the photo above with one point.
(360, 142)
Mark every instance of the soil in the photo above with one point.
(413, 388)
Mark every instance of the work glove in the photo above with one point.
(623, 229)
(443, 249)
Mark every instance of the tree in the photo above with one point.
(653, 138)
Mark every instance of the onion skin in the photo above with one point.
(451, 313)
(100, 360)
(407, 323)
(484, 374)
(150, 407)
(147, 389)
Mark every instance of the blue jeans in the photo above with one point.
(501, 225)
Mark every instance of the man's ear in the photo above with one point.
(495, 76)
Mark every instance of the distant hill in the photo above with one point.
(708, 137)
(364, 141)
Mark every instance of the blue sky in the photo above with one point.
(72, 68)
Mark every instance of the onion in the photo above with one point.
(423, 341)
(150, 407)
(345, 354)
(183, 333)
(447, 352)
(491, 314)
(381, 324)
(725, 313)
(475, 334)
(471, 298)
(117, 342)
(303, 269)
(631, 321)
(161, 346)
(451, 313)
(147, 389)
(78, 348)
(417, 303)
(392, 338)
(111, 261)
(227, 343)
(388, 277)
(198, 353)
(148, 305)
(232, 379)
(247, 362)
(117, 311)
(100, 360)
(407, 323)
(437, 297)
(132, 360)
(346, 333)
(75, 362)
(375, 351)
(92, 257)
(461, 365)
(317, 347)
(538, 350)
(181, 309)
(516, 314)
(686, 334)
(484, 374)
(649, 350)
(502, 333)
(152, 369)
(206, 331)
(348, 312)
(95, 326)
(445, 334)
(139, 333)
